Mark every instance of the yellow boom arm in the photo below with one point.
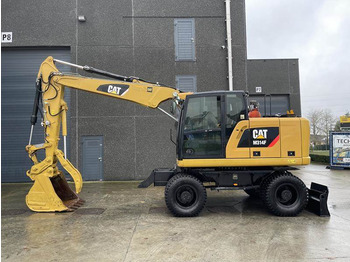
(50, 191)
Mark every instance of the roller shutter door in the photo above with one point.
(19, 69)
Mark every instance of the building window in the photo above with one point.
(186, 83)
(184, 39)
(270, 105)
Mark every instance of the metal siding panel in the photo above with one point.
(184, 45)
(186, 83)
(279, 104)
(92, 150)
(19, 70)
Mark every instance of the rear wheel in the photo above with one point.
(284, 194)
(185, 195)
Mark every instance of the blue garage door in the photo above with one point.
(19, 68)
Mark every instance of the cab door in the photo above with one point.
(236, 126)
(201, 134)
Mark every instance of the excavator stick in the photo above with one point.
(50, 194)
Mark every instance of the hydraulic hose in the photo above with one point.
(34, 117)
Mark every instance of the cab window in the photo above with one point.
(202, 127)
(235, 112)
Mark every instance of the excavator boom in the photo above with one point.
(51, 191)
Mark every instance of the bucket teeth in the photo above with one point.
(74, 204)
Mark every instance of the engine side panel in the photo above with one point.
(291, 137)
(263, 142)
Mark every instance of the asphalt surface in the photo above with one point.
(120, 222)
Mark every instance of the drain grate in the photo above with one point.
(12, 212)
(89, 211)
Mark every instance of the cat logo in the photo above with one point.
(260, 133)
(118, 90)
(114, 89)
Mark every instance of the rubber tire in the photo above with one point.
(253, 192)
(170, 195)
(268, 194)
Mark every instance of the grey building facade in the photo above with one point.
(178, 43)
(128, 37)
(274, 83)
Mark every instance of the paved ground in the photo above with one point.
(136, 226)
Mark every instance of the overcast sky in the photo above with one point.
(315, 31)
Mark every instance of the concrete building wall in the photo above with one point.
(275, 77)
(130, 37)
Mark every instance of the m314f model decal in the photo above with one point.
(259, 137)
(114, 89)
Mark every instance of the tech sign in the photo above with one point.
(339, 149)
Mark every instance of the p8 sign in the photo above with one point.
(6, 37)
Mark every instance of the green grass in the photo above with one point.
(321, 156)
(320, 152)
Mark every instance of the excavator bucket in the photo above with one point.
(50, 194)
(318, 196)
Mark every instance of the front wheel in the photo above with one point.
(284, 194)
(185, 195)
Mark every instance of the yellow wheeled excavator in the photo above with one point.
(218, 146)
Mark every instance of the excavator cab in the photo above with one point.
(207, 121)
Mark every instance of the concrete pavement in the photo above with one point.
(120, 222)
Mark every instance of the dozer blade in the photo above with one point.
(318, 196)
(52, 194)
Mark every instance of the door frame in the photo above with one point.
(181, 127)
(223, 100)
(82, 154)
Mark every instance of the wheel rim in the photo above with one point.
(186, 196)
(286, 195)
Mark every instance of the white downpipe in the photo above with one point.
(229, 44)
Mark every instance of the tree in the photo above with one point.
(337, 126)
(327, 123)
(314, 117)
